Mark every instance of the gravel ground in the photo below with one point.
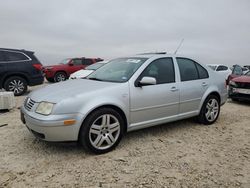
(180, 154)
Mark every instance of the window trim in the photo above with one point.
(12, 51)
(195, 63)
(139, 77)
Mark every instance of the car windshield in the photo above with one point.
(248, 73)
(117, 70)
(212, 66)
(94, 66)
(65, 61)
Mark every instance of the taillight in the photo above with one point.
(37, 66)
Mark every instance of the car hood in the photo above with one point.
(245, 79)
(70, 89)
(81, 73)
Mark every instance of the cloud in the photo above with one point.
(215, 31)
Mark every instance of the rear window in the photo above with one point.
(15, 56)
(222, 68)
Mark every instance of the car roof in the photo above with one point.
(150, 55)
(12, 49)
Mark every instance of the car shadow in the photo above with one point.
(240, 102)
(74, 148)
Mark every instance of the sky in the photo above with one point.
(214, 31)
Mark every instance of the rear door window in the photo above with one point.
(188, 70)
(203, 74)
(15, 56)
(191, 70)
(86, 61)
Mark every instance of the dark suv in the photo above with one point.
(62, 71)
(18, 69)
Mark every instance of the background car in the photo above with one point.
(61, 72)
(237, 71)
(18, 70)
(221, 69)
(87, 71)
(239, 87)
(126, 94)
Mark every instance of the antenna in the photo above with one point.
(179, 46)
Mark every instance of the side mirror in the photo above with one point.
(145, 81)
(71, 63)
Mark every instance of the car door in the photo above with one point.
(75, 65)
(153, 104)
(193, 85)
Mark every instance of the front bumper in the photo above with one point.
(239, 93)
(53, 128)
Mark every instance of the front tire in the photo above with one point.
(16, 84)
(210, 110)
(102, 131)
(60, 76)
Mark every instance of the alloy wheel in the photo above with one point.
(17, 86)
(104, 132)
(212, 110)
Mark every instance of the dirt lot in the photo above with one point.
(180, 154)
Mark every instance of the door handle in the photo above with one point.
(174, 89)
(204, 84)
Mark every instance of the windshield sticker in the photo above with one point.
(133, 60)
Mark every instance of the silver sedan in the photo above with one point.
(126, 94)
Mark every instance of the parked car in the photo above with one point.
(87, 71)
(61, 72)
(221, 69)
(18, 70)
(239, 87)
(236, 72)
(126, 94)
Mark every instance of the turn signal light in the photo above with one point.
(69, 122)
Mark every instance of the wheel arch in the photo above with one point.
(13, 75)
(213, 92)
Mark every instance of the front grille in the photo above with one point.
(29, 103)
(243, 85)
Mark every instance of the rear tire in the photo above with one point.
(102, 131)
(210, 110)
(60, 76)
(16, 84)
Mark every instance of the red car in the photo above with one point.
(239, 87)
(61, 72)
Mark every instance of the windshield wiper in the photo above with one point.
(95, 79)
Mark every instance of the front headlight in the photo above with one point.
(44, 108)
(232, 83)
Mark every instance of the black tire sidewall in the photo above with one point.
(202, 116)
(7, 82)
(85, 128)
